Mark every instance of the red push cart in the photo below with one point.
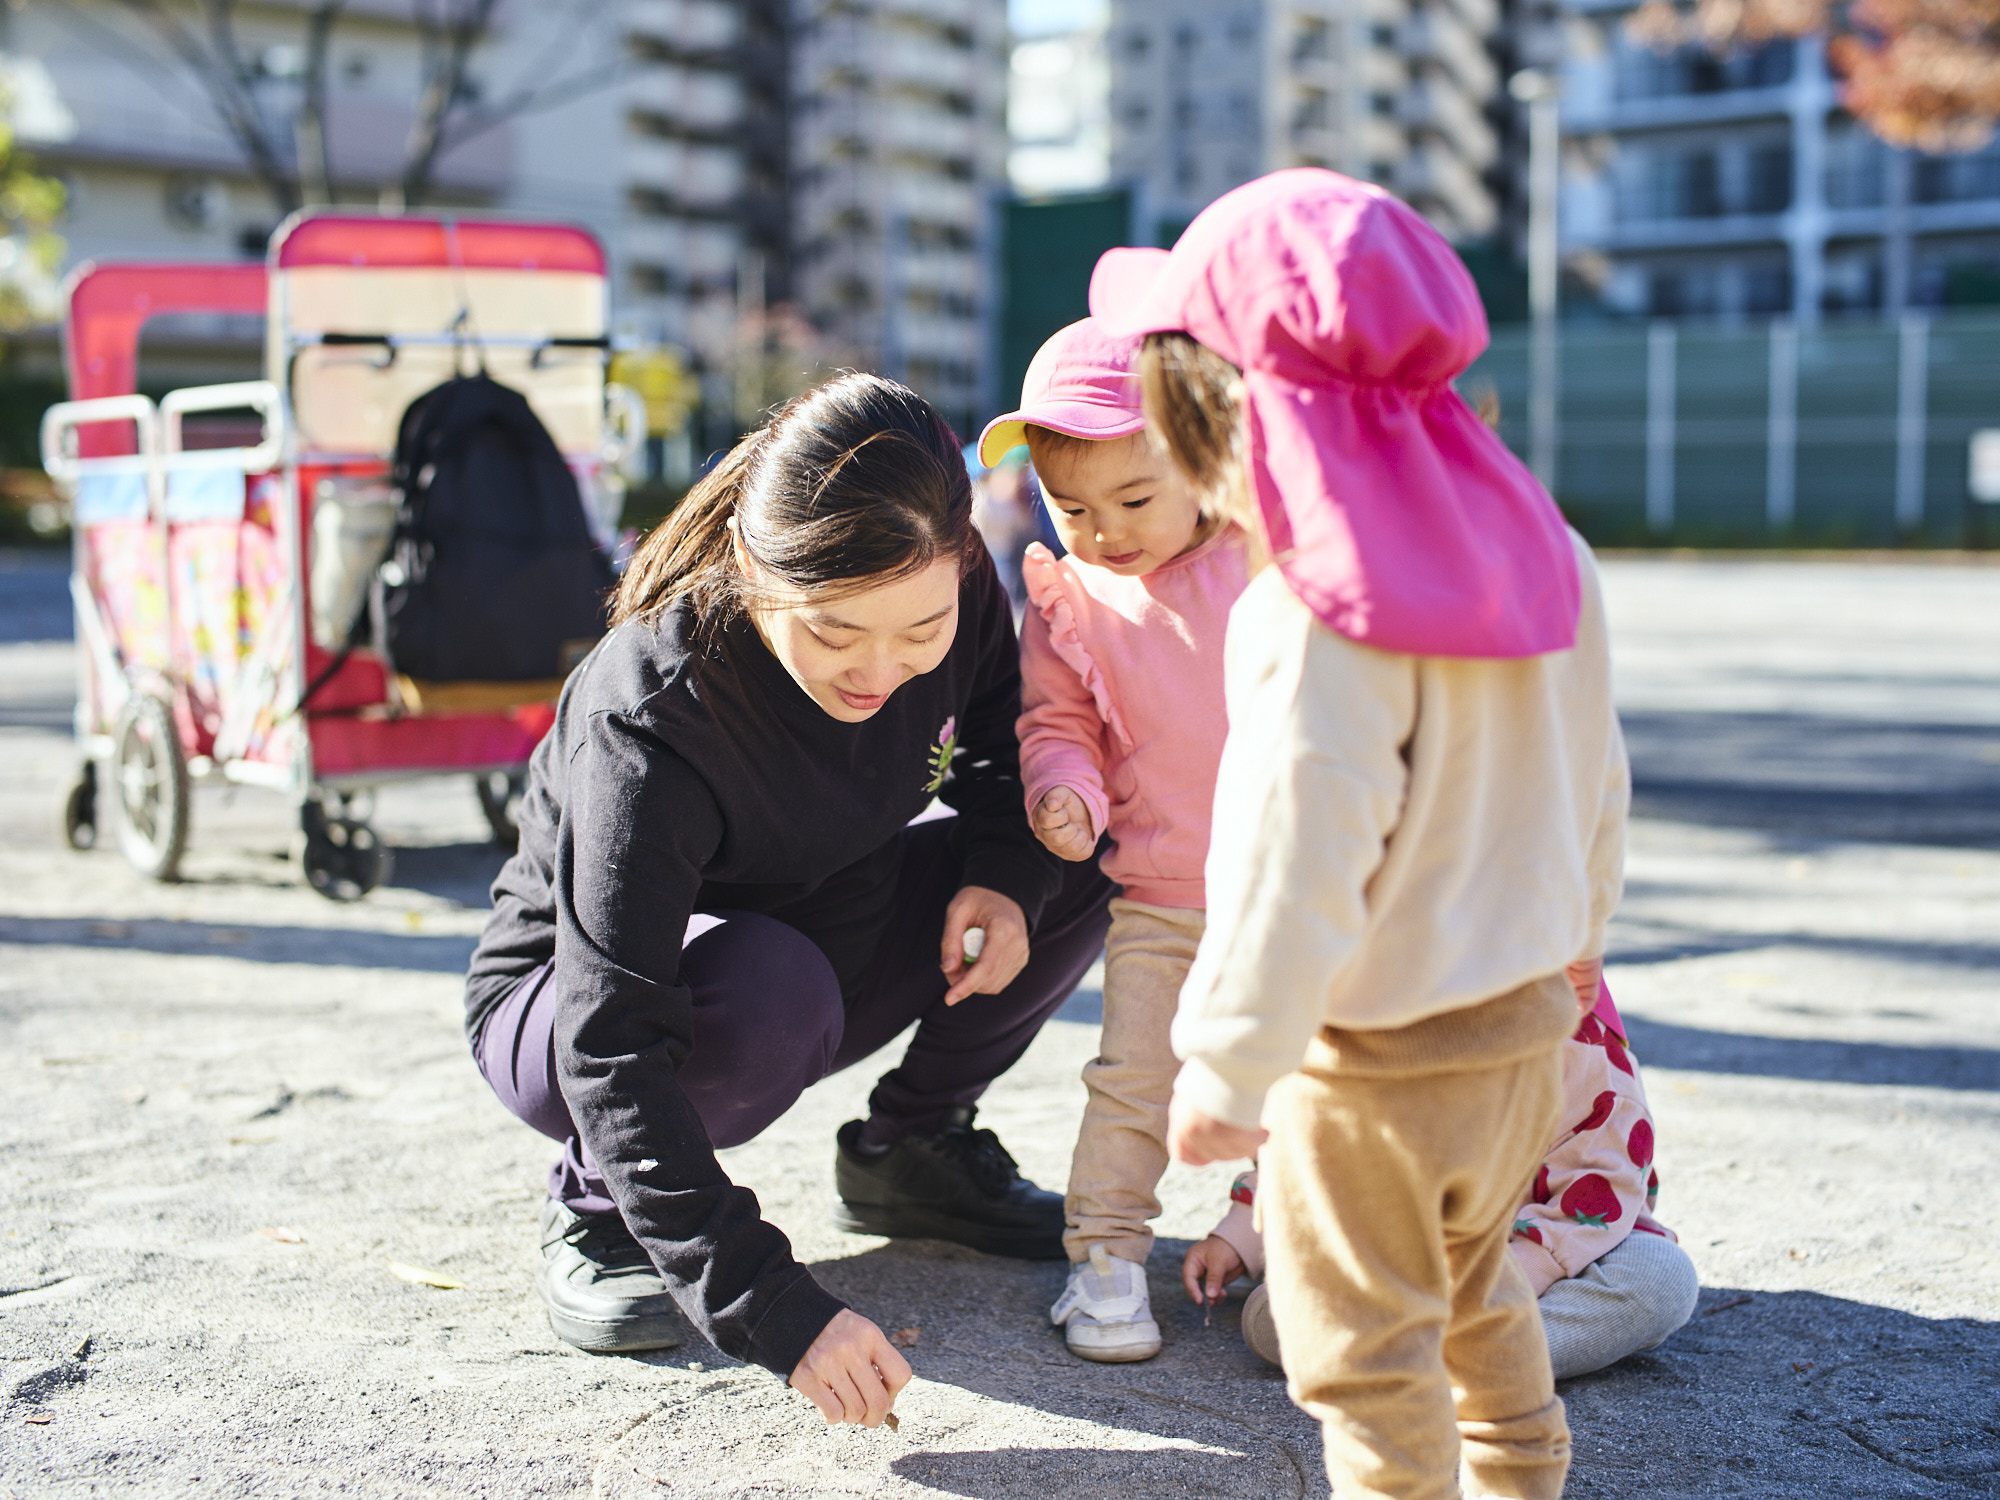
(224, 537)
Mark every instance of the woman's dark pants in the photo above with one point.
(769, 1021)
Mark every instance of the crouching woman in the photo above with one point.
(720, 897)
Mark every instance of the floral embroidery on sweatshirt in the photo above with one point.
(941, 754)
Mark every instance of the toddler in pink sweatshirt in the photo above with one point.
(1121, 730)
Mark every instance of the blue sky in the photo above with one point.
(1040, 17)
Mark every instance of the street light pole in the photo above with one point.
(1540, 92)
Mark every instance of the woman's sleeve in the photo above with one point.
(637, 828)
(1061, 728)
(984, 788)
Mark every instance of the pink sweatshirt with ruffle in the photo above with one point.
(1121, 692)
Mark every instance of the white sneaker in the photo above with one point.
(1105, 1312)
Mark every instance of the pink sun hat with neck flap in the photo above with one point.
(1394, 513)
(1082, 382)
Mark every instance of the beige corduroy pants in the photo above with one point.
(1388, 1191)
(1121, 1147)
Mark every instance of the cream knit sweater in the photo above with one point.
(1394, 837)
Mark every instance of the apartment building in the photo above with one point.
(701, 155)
(1207, 96)
(899, 148)
(1732, 186)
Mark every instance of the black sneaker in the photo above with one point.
(955, 1184)
(602, 1292)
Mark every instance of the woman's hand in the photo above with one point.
(851, 1373)
(1209, 1267)
(1062, 823)
(1198, 1138)
(1586, 977)
(1004, 954)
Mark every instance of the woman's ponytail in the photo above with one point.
(691, 553)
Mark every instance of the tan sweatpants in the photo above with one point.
(1121, 1147)
(1387, 1197)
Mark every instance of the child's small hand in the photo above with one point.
(1586, 977)
(1196, 1137)
(1062, 823)
(1210, 1266)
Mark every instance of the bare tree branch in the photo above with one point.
(315, 166)
(289, 149)
(227, 94)
(449, 41)
(470, 122)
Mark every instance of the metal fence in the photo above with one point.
(1845, 435)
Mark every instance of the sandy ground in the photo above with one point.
(231, 1110)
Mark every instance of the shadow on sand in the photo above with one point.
(1763, 1394)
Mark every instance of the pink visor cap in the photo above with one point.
(1082, 382)
(1395, 514)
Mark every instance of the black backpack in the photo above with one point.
(493, 575)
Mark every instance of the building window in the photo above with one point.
(1677, 184)
(1383, 36)
(1643, 73)
(934, 235)
(1691, 293)
(1769, 185)
(1383, 105)
(1313, 112)
(648, 280)
(1854, 160)
(1314, 42)
(1767, 289)
(1956, 179)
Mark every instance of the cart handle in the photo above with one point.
(62, 419)
(624, 427)
(538, 344)
(260, 396)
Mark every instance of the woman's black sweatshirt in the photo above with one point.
(684, 776)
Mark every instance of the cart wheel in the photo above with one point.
(152, 781)
(79, 808)
(500, 799)
(343, 859)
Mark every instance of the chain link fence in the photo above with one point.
(1846, 435)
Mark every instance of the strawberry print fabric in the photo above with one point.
(1597, 1183)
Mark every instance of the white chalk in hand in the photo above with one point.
(975, 943)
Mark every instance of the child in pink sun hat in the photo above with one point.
(1419, 820)
(1121, 728)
